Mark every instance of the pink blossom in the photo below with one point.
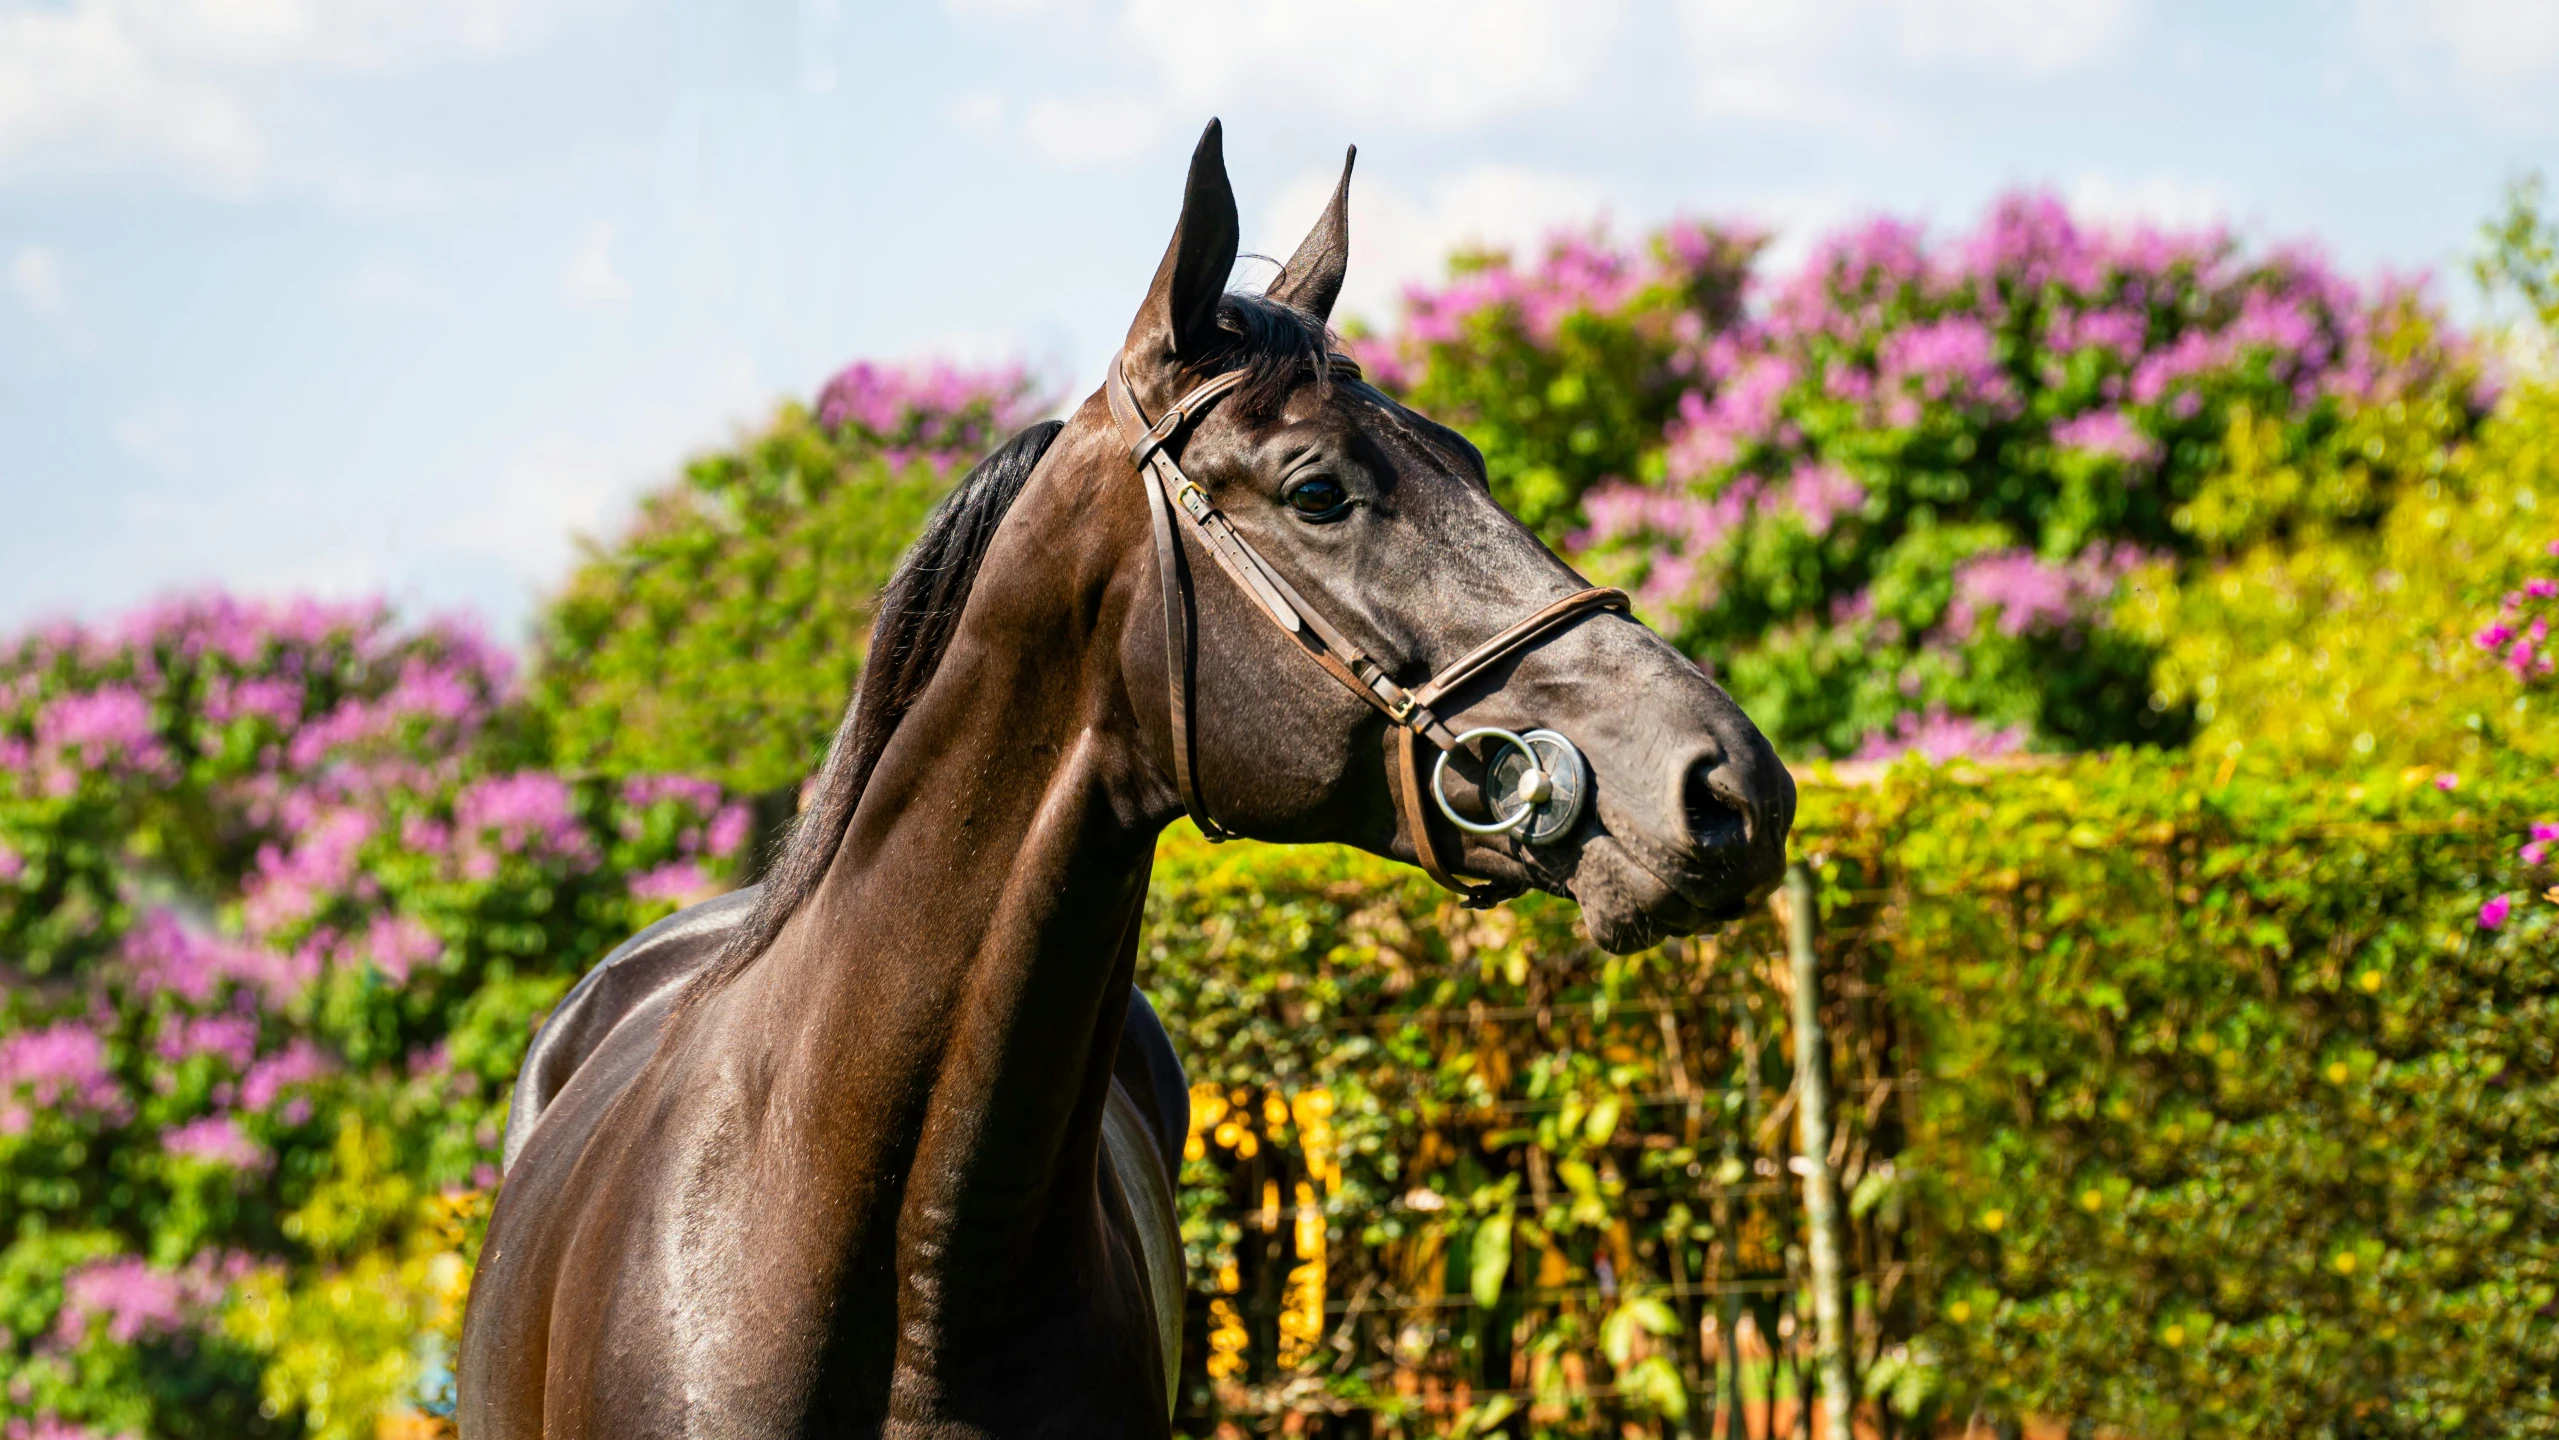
(65, 1065)
(1954, 358)
(729, 830)
(219, 1140)
(1820, 494)
(233, 1039)
(2545, 830)
(108, 729)
(1939, 737)
(528, 813)
(137, 1301)
(670, 882)
(2534, 852)
(54, 1427)
(2447, 781)
(937, 411)
(298, 1063)
(2492, 916)
(290, 886)
(2027, 594)
(398, 944)
(164, 954)
(642, 791)
(12, 865)
(2541, 589)
(2110, 433)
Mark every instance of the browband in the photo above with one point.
(1414, 712)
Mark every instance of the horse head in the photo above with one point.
(1579, 754)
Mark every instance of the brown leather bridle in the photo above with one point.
(1414, 712)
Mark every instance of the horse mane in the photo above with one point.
(912, 627)
(1274, 343)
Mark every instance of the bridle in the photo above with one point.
(1545, 774)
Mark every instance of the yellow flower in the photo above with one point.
(2345, 1262)
(2337, 1072)
(1960, 1311)
(1991, 1220)
(2092, 1199)
(2173, 1336)
(2371, 981)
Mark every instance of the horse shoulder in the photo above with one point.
(657, 962)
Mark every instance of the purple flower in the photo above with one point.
(163, 954)
(231, 1038)
(2110, 433)
(297, 1064)
(137, 1301)
(529, 813)
(2026, 594)
(670, 882)
(2492, 916)
(937, 411)
(1940, 737)
(1820, 494)
(1949, 359)
(728, 831)
(218, 1140)
(2541, 589)
(398, 944)
(62, 1065)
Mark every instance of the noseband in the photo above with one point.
(1545, 775)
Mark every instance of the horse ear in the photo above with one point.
(1312, 279)
(1178, 322)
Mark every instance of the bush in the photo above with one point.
(1889, 504)
(720, 636)
(280, 901)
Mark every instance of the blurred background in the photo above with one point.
(450, 454)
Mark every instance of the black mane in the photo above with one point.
(917, 613)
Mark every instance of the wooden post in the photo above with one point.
(1822, 1210)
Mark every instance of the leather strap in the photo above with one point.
(1413, 713)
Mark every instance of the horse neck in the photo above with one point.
(952, 991)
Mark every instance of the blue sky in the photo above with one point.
(371, 295)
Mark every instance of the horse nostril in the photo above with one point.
(1717, 802)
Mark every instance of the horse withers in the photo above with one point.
(885, 1146)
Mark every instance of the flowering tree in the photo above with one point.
(279, 900)
(1892, 500)
(721, 634)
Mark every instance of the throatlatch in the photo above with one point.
(1537, 784)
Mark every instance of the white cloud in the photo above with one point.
(1835, 64)
(1432, 64)
(1083, 131)
(2030, 38)
(1439, 64)
(590, 278)
(2168, 201)
(35, 277)
(385, 282)
(102, 85)
(1400, 237)
(2500, 58)
(79, 91)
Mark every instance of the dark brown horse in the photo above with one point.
(885, 1147)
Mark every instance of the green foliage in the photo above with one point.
(721, 634)
(2240, 1118)
(1565, 372)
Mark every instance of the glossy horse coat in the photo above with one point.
(871, 1151)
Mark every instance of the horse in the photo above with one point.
(885, 1146)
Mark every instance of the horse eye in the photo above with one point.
(1319, 498)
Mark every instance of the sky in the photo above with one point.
(372, 296)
